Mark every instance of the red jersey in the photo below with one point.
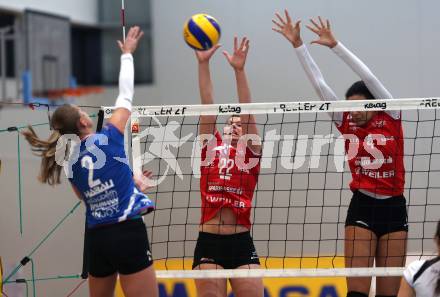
(378, 166)
(228, 179)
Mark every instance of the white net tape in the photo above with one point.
(280, 273)
(283, 107)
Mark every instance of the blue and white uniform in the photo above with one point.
(105, 180)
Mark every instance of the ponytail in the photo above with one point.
(49, 170)
(64, 121)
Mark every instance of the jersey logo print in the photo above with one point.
(362, 223)
(160, 147)
(254, 255)
(207, 260)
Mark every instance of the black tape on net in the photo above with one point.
(100, 120)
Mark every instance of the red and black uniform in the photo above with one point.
(229, 176)
(375, 154)
(382, 176)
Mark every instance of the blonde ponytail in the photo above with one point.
(49, 170)
(64, 121)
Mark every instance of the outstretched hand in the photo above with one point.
(289, 29)
(323, 30)
(143, 181)
(205, 56)
(131, 41)
(238, 57)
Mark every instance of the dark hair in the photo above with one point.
(437, 235)
(359, 88)
(64, 121)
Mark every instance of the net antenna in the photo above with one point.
(123, 19)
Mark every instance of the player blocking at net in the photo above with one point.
(226, 186)
(376, 225)
(114, 199)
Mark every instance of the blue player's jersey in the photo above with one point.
(104, 179)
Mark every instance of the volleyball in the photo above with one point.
(201, 32)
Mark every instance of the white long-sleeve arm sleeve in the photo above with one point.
(373, 84)
(317, 79)
(126, 83)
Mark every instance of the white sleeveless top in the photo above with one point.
(422, 276)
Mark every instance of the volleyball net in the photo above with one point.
(301, 199)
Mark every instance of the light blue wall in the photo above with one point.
(397, 39)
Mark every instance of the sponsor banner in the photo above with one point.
(298, 106)
(273, 287)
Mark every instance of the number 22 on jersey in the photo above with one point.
(225, 166)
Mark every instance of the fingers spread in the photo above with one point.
(315, 24)
(247, 45)
(288, 18)
(133, 32)
(314, 30)
(280, 18)
(277, 24)
(227, 56)
(141, 33)
(243, 42)
(321, 22)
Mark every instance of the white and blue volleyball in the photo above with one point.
(202, 32)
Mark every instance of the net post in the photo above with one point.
(123, 19)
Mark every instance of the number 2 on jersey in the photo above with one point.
(225, 166)
(87, 162)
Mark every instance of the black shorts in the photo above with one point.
(227, 251)
(381, 216)
(121, 247)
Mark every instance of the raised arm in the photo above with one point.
(326, 38)
(237, 61)
(207, 123)
(124, 101)
(373, 84)
(292, 32)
